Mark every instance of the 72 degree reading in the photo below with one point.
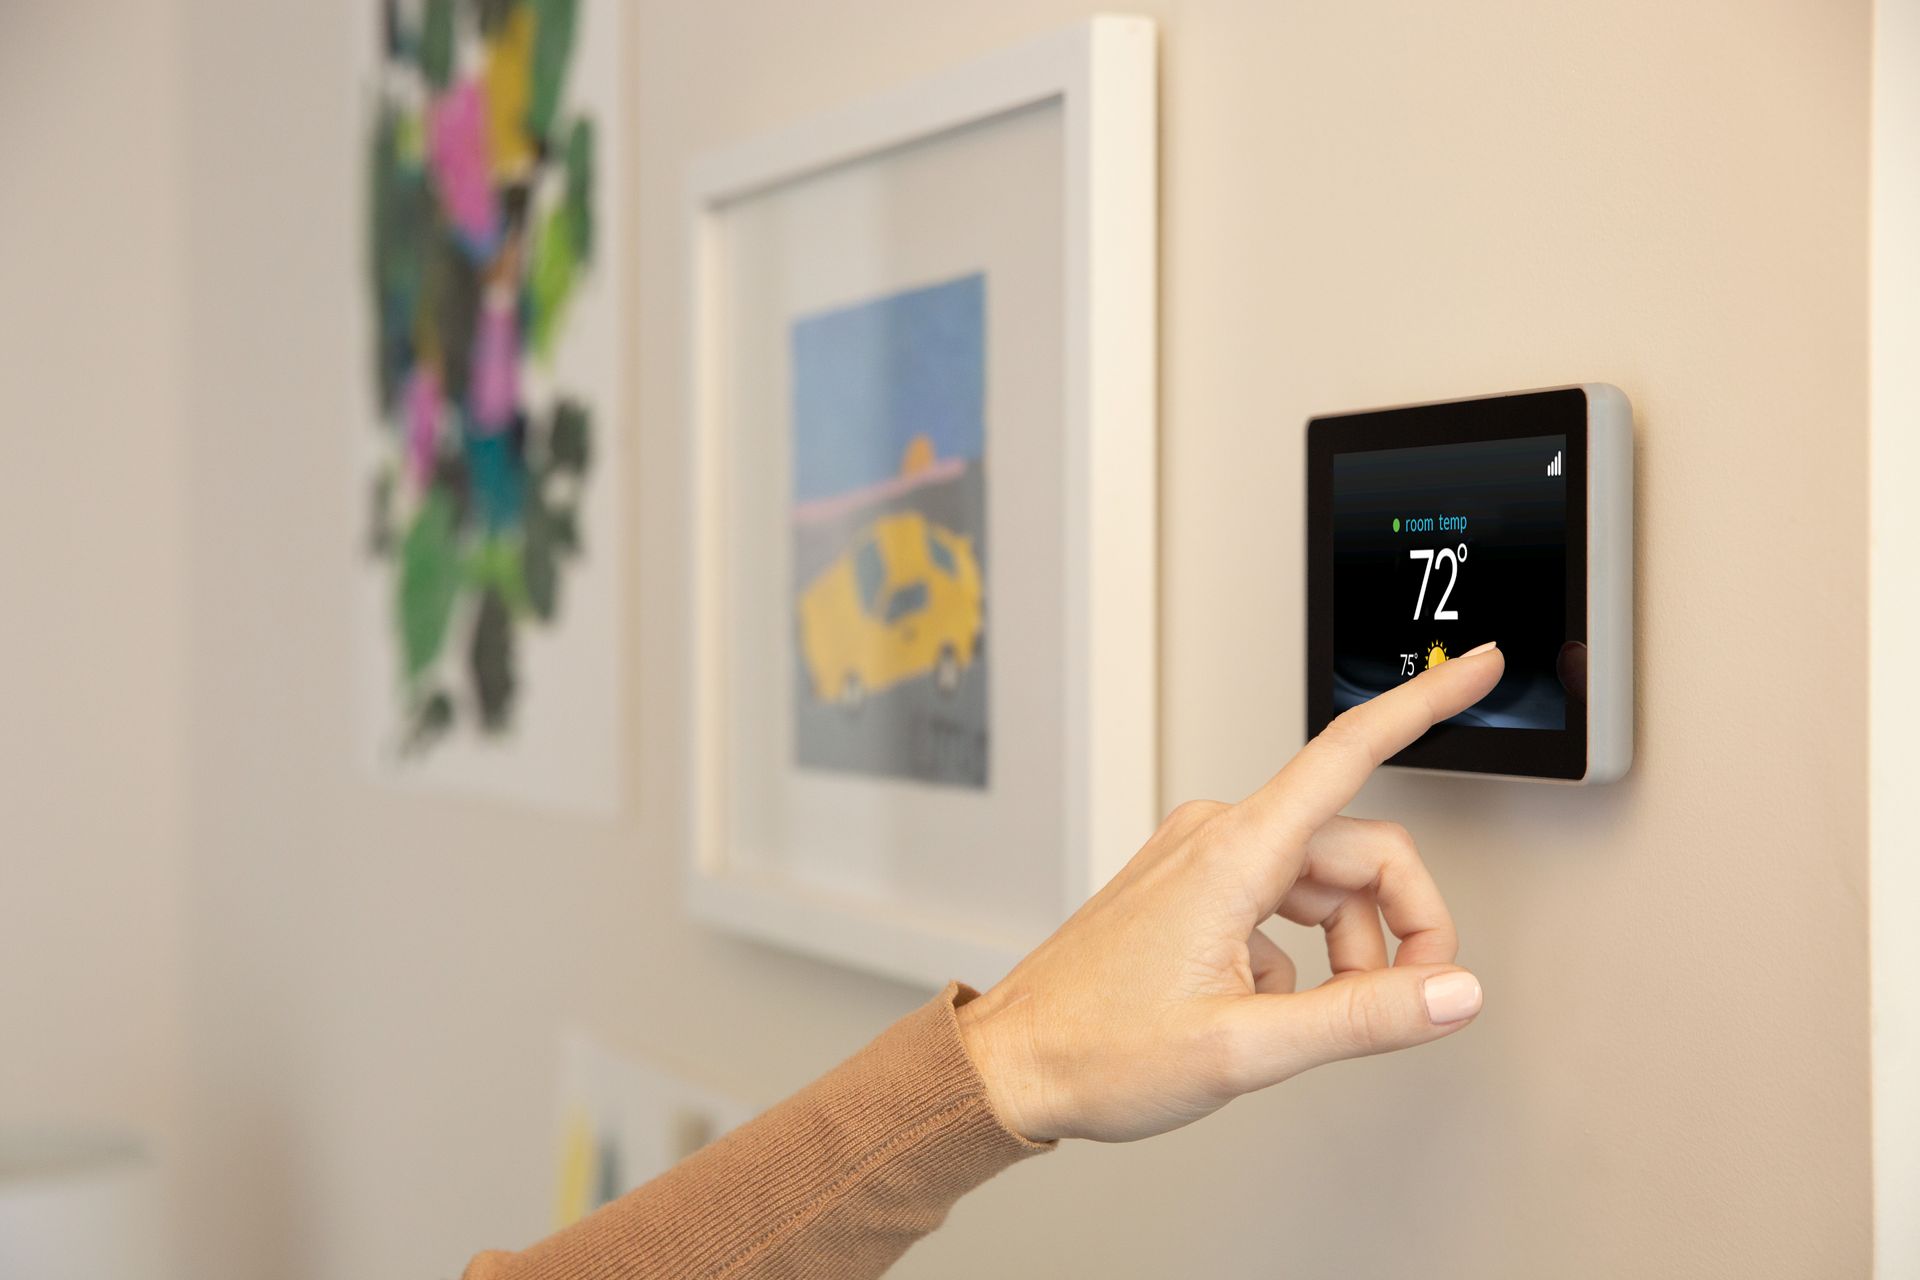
(1448, 555)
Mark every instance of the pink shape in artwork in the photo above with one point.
(457, 146)
(495, 391)
(423, 422)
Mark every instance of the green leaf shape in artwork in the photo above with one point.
(496, 566)
(400, 221)
(432, 717)
(539, 557)
(452, 313)
(491, 659)
(396, 37)
(551, 279)
(569, 440)
(436, 43)
(553, 30)
(429, 582)
(578, 204)
(563, 243)
(565, 529)
(494, 14)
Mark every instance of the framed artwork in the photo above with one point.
(922, 422)
(486, 413)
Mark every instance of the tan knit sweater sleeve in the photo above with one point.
(837, 1181)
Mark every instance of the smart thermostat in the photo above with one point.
(1434, 528)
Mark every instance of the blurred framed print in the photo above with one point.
(487, 427)
(922, 420)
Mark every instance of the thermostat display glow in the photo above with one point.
(1439, 548)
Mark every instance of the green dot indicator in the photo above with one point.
(1396, 524)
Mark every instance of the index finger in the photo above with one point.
(1330, 770)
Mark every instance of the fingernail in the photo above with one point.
(1452, 997)
(1480, 649)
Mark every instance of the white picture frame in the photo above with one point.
(1099, 77)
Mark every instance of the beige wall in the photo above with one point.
(1364, 203)
(92, 565)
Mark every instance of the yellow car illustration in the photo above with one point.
(905, 600)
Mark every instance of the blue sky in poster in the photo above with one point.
(870, 377)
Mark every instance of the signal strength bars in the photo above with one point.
(1557, 466)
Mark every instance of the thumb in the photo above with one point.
(1362, 1012)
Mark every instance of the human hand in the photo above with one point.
(1160, 1000)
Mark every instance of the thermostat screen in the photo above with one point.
(1439, 548)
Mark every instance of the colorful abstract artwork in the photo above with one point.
(487, 255)
(889, 536)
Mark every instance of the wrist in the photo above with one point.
(997, 1040)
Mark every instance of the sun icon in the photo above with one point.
(1436, 654)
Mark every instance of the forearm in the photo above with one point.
(838, 1180)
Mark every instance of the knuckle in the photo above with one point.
(1396, 842)
(1232, 1063)
(1190, 814)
